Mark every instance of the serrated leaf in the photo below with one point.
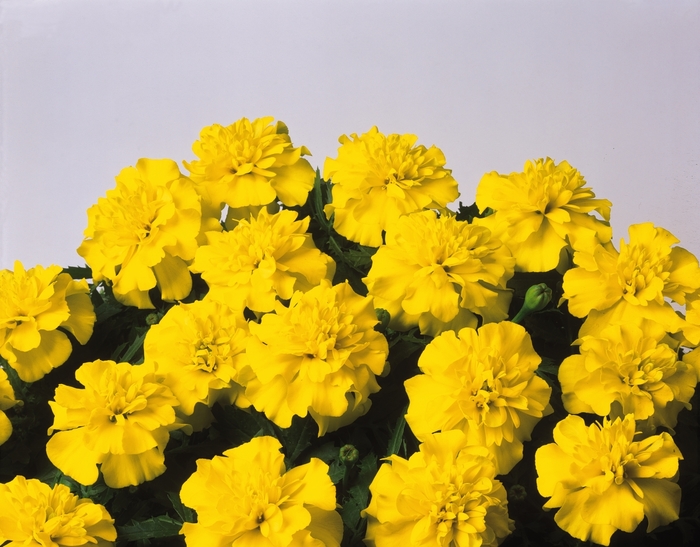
(155, 527)
(184, 512)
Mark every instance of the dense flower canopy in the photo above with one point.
(200, 349)
(439, 273)
(250, 163)
(482, 383)
(120, 420)
(267, 256)
(628, 370)
(378, 178)
(247, 498)
(625, 287)
(34, 303)
(319, 356)
(36, 515)
(7, 400)
(603, 480)
(539, 211)
(143, 234)
(445, 495)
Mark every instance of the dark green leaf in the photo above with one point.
(156, 527)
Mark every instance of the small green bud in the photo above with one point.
(517, 493)
(536, 298)
(349, 454)
(152, 319)
(384, 318)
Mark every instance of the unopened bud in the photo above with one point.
(349, 454)
(152, 319)
(536, 298)
(517, 493)
(384, 318)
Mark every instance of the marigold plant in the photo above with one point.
(200, 350)
(628, 370)
(37, 515)
(625, 287)
(34, 303)
(445, 495)
(121, 420)
(484, 384)
(378, 178)
(539, 211)
(602, 480)
(319, 356)
(248, 497)
(250, 163)
(143, 234)
(439, 273)
(264, 257)
(7, 401)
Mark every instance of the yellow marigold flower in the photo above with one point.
(246, 497)
(36, 515)
(625, 287)
(378, 178)
(603, 480)
(319, 356)
(33, 304)
(691, 329)
(538, 211)
(7, 400)
(260, 259)
(484, 384)
(445, 495)
(693, 359)
(200, 349)
(120, 420)
(628, 370)
(439, 274)
(249, 164)
(144, 233)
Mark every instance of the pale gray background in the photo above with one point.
(90, 86)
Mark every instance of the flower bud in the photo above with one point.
(349, 454)
(536, 298)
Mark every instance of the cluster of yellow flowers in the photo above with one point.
(279, 332)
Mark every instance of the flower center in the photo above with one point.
(639, 267)
(211, 351)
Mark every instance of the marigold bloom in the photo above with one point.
(445, 495)
(378, 178)
(484, 384)
(144, 233)
(36, 515)
(604, 481)
(539, 210)
(246, 497)
(319, 356)
(626, 287)
(250, 163)
(200, 349)
(120, 420)
(7, 400)
(628, 370)
(439, 274)
(33, 304)
(260, 259)
(691, 329)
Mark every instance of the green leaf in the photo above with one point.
(396, 439)
(297, 437)
(184, 512)
(156, 527)
(79, 272)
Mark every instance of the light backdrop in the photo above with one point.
(90, 86)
